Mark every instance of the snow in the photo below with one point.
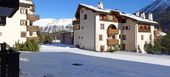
(95, 8)
(56, 60)
(52, 22)
(26, 1)
(123, 14)
(138, 18)
(157, 4)
(53, 25)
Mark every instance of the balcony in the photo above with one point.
(112, 31)
(111, 42)
(109, 18)
(76, 27)
(144, 28)
(32, 17)
(76, 22)
(33, 28)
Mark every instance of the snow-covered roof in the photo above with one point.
(137, 18)
(140, 19)
(26, 1)
(95, 8)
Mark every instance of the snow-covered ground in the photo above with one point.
(56, 60)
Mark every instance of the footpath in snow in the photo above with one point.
(121, 55)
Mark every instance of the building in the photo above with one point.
(66, 38)
(20, 27)
(99, 29)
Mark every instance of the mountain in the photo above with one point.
(53, 25)
(161, 12)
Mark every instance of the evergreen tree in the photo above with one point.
(166, 43)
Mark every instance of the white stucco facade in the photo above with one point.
(92, 33)
(12, 31)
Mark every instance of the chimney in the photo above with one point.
(137, 14)
(100, 5)
(143, 15)
(150, 16)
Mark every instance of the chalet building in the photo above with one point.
(20, 27)
(66, 38)
(99, 29)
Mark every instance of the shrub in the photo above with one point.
(166, 43)
(148, 48)
(29, 45)
(114, 48)
(48, 39)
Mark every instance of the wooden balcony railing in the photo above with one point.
(76, 27)
(76, 22)
(144, 28)
(32, 17)
(112, 31)
(112, 42)
(33, 28)
(106, 18)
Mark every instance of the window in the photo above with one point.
(120, 36)
(124, 20)
(23, 34)
(123, 27)
(150, 36)
(23, 11)
(100, 37)
(110, 17)
(0, 33)
(102, 26)
(123, 37)
(30, 33)
(142, 37)
(85, 16)
(79, 37)
(82, 37)
(82, 27)
(23, 22)
(127, 27)
(81, 11)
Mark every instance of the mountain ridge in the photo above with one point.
(161, 13)
(53, 25)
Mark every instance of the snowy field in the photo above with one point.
(59, 60)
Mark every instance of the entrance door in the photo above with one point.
(101, 48)
(123, 46)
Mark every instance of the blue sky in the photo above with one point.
(66, 8)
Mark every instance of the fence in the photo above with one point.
(9, 62)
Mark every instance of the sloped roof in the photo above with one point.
(26, 2)
(140, 19)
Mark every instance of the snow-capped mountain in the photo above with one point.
(53, 25)
(157, 4)
(161, 12)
